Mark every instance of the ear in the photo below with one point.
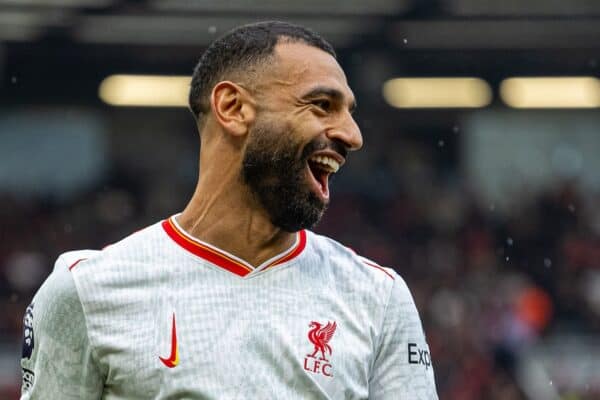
(233, 107)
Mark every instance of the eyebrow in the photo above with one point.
(329, 92)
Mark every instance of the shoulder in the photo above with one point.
(58, 295)
(132, 249)
(105, 278)
(69, 260)
(56, 305)
(57, 360)
(352, 265)
(59, 285)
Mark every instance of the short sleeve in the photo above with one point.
(402, 368)
(57, 360)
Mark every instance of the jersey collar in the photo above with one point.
(224, 259)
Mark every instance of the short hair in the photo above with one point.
(240, 50)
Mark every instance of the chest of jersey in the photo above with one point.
(208, 334)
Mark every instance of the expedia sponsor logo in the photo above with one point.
(28, 339)
(417, 355)
(28, 378)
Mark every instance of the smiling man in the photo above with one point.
(235, 298)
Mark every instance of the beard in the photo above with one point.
(274, 169)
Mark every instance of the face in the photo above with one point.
(301, 137)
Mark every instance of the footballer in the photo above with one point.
(235, 297)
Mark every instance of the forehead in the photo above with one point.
(299, 67)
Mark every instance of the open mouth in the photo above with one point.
(320, 168)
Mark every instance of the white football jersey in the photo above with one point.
(162, 315)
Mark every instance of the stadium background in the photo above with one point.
(486, 203)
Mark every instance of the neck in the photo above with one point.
(225, 214)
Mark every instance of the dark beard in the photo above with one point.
(275, 171)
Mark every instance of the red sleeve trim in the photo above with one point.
(75, 263)
(379, 268)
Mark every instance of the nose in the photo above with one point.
(347, 132)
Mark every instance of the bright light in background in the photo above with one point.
(61, 3)
(145, 90)
(551, 92)
(437, 92)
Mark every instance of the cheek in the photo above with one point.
(307, 125)
(274, 136)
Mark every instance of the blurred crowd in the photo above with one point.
(488, 280)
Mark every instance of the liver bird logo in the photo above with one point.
(320, 336)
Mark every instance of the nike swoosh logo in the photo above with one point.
(173, 359)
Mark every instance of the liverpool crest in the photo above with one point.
(319, 335)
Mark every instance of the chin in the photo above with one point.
(300, 216)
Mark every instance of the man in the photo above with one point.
(234, 298)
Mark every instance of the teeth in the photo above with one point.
(326, 163)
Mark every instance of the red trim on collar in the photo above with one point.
(220, 258)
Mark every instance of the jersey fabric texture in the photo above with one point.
(161, 315)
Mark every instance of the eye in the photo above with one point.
(323, 104)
